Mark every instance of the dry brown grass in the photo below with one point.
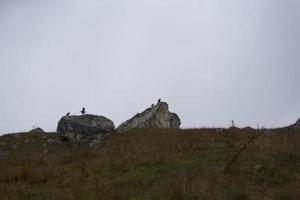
(155, 164)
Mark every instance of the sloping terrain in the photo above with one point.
(153, 164)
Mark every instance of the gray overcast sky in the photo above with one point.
(211, 60)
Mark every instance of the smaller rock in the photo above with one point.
(37, 130)
(14, 146)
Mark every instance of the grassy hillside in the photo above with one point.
(153, 164)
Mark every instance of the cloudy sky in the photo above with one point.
(211, 60)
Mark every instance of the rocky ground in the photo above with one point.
(153, 164)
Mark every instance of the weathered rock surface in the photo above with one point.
(37, 130)
(84, 125)
(157, 116)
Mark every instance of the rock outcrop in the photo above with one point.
(37, 130)
(157, 116)
(77, 127)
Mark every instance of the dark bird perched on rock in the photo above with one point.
(159, 100)
(152, 105)
(83, 111)
(68, 114)
(232, 122)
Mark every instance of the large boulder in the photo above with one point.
(157, 116)
(84, 125)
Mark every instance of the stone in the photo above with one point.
(84, 125)
(37, 130)
(14, 146)
(157, 116)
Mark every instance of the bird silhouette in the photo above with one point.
(68, 114)
(83, 111)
